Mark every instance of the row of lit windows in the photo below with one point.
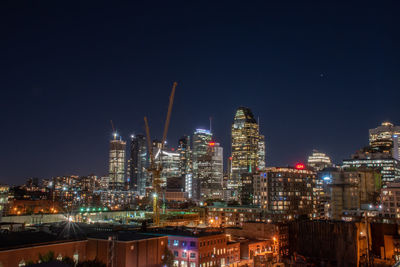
(185, 254)
(212, 242)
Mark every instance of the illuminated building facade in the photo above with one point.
(170, 162)
(343, 190)
(201, 140)
(210, 173)
(247, 189)
(117, 163)
(386, 137)
(261, 153)
(387, 166)
(138, 164)
(286, 193)
(390, 201)
(185, 152)
(196, 248)
(232, 216)
(3, 198)
(318, 160)
(246, 140)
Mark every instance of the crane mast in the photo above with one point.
(154, 168)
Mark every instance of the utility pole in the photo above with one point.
(367, 237)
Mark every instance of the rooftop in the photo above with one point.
(121, 235)
(182, 232)
(22, 239)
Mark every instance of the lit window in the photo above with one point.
(176, 242)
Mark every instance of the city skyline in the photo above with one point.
(63, 82)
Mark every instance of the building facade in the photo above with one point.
(196, 248)
(4, 189)
(186, 164)
(170, 162)
(319, 161)
(210, 172)
(286, 193)
(138, 164)
(117, 163)
(248, 147)
(201, 140)
(232, 216)
(390, 201)
(344, 190)
(385, 137)
(387, 166)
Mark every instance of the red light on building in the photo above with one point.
(211, 144)
(300, 166)
(173, 149)
(230, 158)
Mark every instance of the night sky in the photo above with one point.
(318, 75)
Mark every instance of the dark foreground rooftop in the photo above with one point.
(121, 235)
(182, 232)
(27, 238)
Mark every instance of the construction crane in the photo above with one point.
(154, 168)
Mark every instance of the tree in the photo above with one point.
(49, 256)
(68, 260)
(169, 258)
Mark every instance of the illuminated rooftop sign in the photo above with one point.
(300, 166)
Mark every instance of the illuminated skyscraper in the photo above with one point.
(201, 139)
(170, 162)
(138, 162)
(117, 163)
(386, 137)
(318, 161)
(261, 153)
(248, 148)
(210, 173)
(185, 152)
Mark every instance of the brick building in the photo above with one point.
(232, 216)
(130, 248)
(193, 248)
(123, 248)
(20, 248)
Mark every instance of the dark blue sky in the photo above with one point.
(319, 74)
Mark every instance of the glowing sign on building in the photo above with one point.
(300, 166)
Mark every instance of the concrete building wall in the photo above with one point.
(324, 241)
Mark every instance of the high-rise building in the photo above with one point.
(201, 140)
(248, 148)
(246, 195)
(318, 160)
(170, 162)
(185, 152)
(117, 163)
(3, 198)
(386, 137)
(285, 193)
(210, 173)
(261, 153)
(344, 190)
(381, 160)
(138, 164)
